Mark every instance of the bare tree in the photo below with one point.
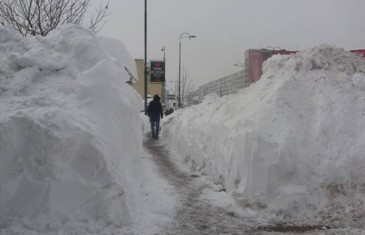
(39, 17)
(187, 86)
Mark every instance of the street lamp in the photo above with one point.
(145, 57)
(182, 35)
(164, 82)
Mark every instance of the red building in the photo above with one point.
(254, 58)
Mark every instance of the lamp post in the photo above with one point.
(164, 82)
(182, 35)
(145, 57)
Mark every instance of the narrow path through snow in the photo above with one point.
(197, 215)
(194, 215)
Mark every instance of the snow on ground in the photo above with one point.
(291, 146)
(71, 155)
(288, 148)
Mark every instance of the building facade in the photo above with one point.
(254, 58)
(226, 85)
(153, 88)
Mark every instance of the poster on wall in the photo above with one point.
(157, 71)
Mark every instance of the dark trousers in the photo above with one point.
(155, 129)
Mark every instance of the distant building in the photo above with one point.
(254, 58)
(153, 88)
(230, 84)
(226, 85)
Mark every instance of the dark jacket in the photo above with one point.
(154, 109)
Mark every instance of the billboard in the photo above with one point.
(283, 52)
(157, 71)
(170, 97)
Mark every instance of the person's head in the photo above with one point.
(156, 97)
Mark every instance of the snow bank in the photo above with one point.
(70, 137)
(291, 144)
(119, 55)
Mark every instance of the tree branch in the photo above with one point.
(39, 17)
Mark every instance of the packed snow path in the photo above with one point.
(196, 215)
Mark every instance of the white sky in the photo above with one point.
(226, 28)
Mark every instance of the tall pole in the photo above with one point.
(179, 85)
(164, 82)
(182, 35)
(145, 57)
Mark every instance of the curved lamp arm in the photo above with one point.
(186, 35)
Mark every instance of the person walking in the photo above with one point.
(154, 111)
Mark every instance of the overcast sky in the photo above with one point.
(226, 28)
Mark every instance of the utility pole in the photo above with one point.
(164, 82)
(182, 35)
(145, 57)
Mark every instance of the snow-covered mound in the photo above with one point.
(70, 137)
(292, 144)
(119, 55)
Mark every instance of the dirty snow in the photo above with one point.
(71, 155)
(289, 147)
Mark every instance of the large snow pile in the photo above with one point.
(118, 54)
(70, 136)
(292, 145)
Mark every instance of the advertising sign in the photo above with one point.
(283, 52)
(158, 71)
(170, 97)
